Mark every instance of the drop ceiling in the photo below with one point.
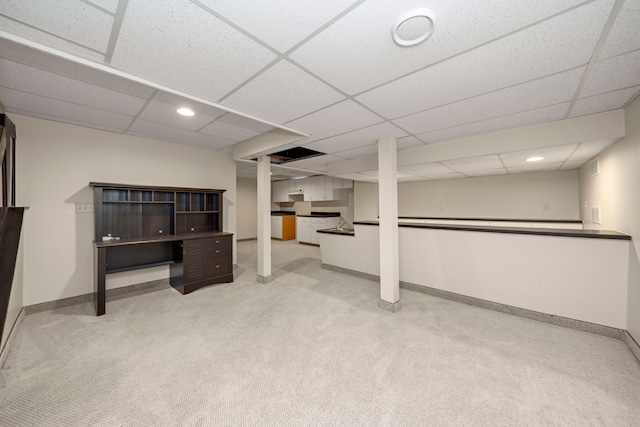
(328, 74)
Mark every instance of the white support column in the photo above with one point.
(264, 220)
(388, 211)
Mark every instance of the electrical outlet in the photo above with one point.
(84, 207)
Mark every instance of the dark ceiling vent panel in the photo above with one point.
(293, 154)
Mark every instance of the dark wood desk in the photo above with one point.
(195, 259)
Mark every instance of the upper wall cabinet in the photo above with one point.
(312, 189)
(280, 191)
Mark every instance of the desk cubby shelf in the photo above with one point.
(142, 212)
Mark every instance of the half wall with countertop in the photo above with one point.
(574, 274)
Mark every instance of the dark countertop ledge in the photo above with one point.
(589, 234)
(282, 213)
(343, 232)
(321, 214)
(550, 221)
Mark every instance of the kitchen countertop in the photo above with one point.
(321, 215)
(344, 231)
(282, 213)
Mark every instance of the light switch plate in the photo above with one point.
(84, 207)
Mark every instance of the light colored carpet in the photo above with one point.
(311, 348)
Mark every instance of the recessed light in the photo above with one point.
(185, 111)
(413, 27)
(535, 159)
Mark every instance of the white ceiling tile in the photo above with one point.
(189, 61)
(110, 5)
(479, 163)
(15, 100)
(72, 20)
(551, 155)
(454, 175)
(369, 150)
(614, 73)
(361, 41)
(32, 80)
(603, 102)
(490, 172)
(541, 115)
(353, 176)
(572, 165)
(532, 95)
(624, 35)
(163, 132)
(245, 122)
(355, 139)
(411, 178)
(228, 131)
(408, 142)
(35, 35)
(558, 44)
(277, 22)
(588, 150)
(162, 109)
(535, 168)
(68, 120)
(426, 169)
(344, 117)
(298, 93)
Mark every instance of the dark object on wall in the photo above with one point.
(8, 161)
(10, 227)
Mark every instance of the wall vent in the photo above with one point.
(595, 215)
(594, 166)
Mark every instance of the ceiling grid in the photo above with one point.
(329, 70)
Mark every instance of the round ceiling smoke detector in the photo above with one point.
(413, 27)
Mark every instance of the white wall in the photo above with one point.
(616, 191)
(247, 208)
(518, 196)
(365, 201)
(56, 162)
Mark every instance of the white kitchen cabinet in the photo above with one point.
(312, 189)
(307, 227)
(276, 227)
(303, 232)
(298, 186)
(318, 189)
(283, 227)
(280, 191)
(340, 183)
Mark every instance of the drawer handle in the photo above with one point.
(217, 241)
(217, 266)
(218, 251)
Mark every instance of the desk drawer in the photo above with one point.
(218, 246)
(219, 266)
